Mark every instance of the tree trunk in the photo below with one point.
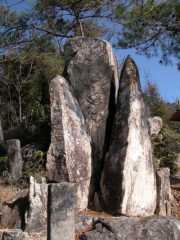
(20, 118)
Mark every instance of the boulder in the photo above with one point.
(15, 158)
(128, 180)
(36, 217)
(153, 228)
(19, 206)
(91, 69)
(69, 154)
(156, 124)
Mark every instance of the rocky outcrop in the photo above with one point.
(156, 124)
(91, 69)
(153, 228)
(69, 155)
(128, 182)
(12, 212)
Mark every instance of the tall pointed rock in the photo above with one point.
(128, 182)
(91, 69)
(69, 154)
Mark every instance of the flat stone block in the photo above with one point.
(15, 158)
(61, 219)
(12, 234)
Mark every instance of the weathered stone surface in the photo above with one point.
(154, 228)
(15, 158)
(91, 69)
(12, 234)
(162, 179)
(69, 155)
(37, 214)
(128, 182)
(29, 150)
(19, 206)
(156, 124)
(61, 220)
(1, 234)
(40, 235)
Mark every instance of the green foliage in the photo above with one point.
(39, 156)
(151, 26)
(38, 160)
(155, 103)
(10, 181)
(168, 149)
(4, 163)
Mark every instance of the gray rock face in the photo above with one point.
(156, 124)
(154, 228)
(128, 182)
(15, 158)
(69, 155)
(61, 220)
(37, 214)
(91, 69)
(163, 193)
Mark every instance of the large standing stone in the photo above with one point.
(61, 219)
(128, 182)
(91, 69)
(37, 214)
(69, 155)
(15, 158)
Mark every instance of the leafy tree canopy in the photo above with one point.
(150, 26)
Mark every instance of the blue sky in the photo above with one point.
(167, 77)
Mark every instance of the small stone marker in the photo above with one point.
(61, 220)
(15, 158)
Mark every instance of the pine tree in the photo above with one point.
(151, 26)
